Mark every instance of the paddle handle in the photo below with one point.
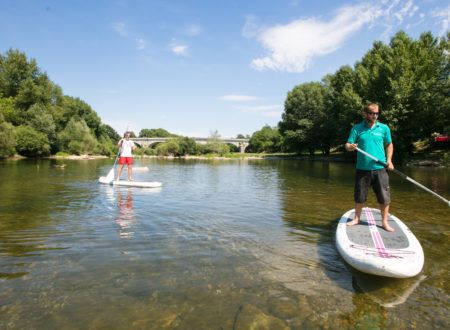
(404, 176)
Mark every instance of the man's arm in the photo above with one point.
(389, 149)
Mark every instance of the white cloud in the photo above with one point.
(251, 27)
(178, 48)
(192, 30)
(238, 98)
(259, 108)
(273, 114)
(140, 44)
(292, 46)
(271, 110)
(120, 28)
(395, 13)
(443, 16)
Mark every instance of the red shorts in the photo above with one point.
(126, 160)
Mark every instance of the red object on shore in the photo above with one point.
(442, 138)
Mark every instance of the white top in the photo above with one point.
(127, 147)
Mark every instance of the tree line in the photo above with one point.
(408, 78)
(37, 119)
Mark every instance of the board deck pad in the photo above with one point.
(369, 248)
(361, 234)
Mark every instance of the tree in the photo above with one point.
(7, 138)
(304, 113)
(108, 131)
(14, 70)
(409, 79)
(7, 109)
(169, 148)
(187, 146)
(155, 132)
(76, 138)
(215, 145)
(242, 136)
(31, 143)
(267, 139)
(343, 105)
(75, 107)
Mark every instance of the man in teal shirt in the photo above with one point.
(374, 138)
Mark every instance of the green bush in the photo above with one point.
(31, 143)
(76, 138)
(7, 139)
(169, 148)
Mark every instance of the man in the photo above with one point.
(374, 138)
(126, 147)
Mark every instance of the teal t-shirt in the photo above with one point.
(371, 140)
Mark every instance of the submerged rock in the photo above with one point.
(250, 317)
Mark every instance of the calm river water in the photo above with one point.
(224, 244)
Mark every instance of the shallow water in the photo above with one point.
(223, 244)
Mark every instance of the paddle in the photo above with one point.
(404, 176)
(110, 175)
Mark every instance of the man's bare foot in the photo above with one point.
(353, 222)
(388, 228)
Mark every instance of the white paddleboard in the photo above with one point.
(371, 249)
(141, 169)
(142, 184)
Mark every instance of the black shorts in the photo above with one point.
(378, 180)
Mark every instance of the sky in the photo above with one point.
(194, 67)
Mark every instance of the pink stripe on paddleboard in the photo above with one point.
(376, 237)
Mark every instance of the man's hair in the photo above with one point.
(369, 106)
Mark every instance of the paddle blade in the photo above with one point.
(110, 175)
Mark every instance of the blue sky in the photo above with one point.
(193, 67)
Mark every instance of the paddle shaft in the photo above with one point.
(404, 176)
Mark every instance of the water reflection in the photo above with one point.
(232, 244)
(126, 218)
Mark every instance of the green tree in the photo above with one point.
(7, 109)
(304, 114)
(155, 132)
(215, 145)
(108, 131)
(14, 70)
(76, 138)
(31, 143)
(343, 106)
(188, 146)
(409, 79)
(267, 139)
(170, 147)
(7, 138)
(75, 107)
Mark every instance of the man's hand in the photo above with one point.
(351, 146)
(390, 166)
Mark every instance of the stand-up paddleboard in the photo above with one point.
(140, 169)
(142, 184)
(371, 249)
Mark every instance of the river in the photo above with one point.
(223, 244)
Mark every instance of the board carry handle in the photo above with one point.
(404, 176)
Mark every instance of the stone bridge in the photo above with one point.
(148, 142)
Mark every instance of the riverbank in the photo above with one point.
(435, 158)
